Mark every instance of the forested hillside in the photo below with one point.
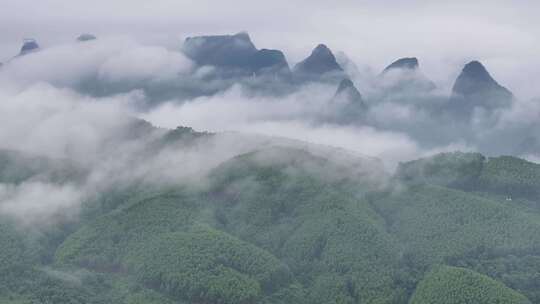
(459, 285)
(284, 224)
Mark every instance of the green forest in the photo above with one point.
(284, 225)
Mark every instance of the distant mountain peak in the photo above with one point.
(242, 40)
(322, 50)
(29, 45)
(404, 75)
(86, 37)
(407, 63)
(476, 87)
(348, 102)
(475, 78)
(345, 84)
(236, 55)
(348, 93)
(273, 61)
(476, 70)
(320, 61)
(243, 35)
(220, 50)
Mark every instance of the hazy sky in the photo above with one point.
(443, 34)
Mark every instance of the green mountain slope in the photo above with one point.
(299, 207)
(436, 223)
(507, 176)
(286, 225)
(451, 285)
(160, 242)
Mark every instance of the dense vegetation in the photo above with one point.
(327, 233)
(449, 285)
(284, 225)
(436, 223)
(509, 176)
(207, 266)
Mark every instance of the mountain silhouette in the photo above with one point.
(236, 52)
(86, 37)
(403, 77)
(319, 64)
(475, 87)
(347, 104)
(29, 46)
(409, 63)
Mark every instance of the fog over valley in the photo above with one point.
(243, 152)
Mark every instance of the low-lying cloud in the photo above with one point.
(37, 202)
(44, 112)
(117, 60)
